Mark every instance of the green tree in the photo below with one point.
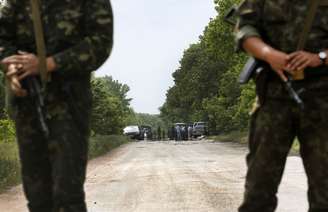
(2, 95)
(206, 85)
(111, 107)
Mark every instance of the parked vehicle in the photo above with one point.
(132, 131)
(200, 129)
(190, 131)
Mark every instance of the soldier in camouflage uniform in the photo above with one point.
(270, 30)
(78, 36)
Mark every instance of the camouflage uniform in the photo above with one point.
(78, 35)
(279, 120)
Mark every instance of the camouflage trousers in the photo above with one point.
(273, 129)
(53, 168)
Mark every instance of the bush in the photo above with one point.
(9, 165)
(101, 144)
(7, 131)
(234, 136)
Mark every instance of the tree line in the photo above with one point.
(205, 85)
(111, 110)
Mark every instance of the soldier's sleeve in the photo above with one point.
(96, 46)
(7, 30)
(249, 19)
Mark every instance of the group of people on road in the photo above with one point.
(182, 132)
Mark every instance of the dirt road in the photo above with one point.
(198, 176)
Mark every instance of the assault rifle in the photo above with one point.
(35, 93)
(255, 67)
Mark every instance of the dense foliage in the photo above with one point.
(147, 119)
(111, 107)
(206, 87)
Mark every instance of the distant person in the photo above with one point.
(178, 133)
(159, 133)
(145, 134)
(184, 132)
(172, 133)
(190, 135)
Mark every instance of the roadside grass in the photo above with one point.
(242, 138)
(9, 159)
(101, 144)
(9, 165)
(234, 136)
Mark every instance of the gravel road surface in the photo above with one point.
(197, 176)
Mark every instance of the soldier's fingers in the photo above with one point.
(282, 75)
(300, 63)
(293, 55)
(19, 66)
(299, 59)
(9, 58)
(16, 87)
(13, 60)
(22, 52)
(14, 57)
(295, 59)
(290, 71)
(24, 75)
(15, 81)
(11, 68)
(304, 65)
(12, 72)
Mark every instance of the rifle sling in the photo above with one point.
(308, 23)
(40, 41)
(313, 7)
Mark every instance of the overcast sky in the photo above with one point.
(150, 37)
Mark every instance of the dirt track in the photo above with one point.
(196, 176)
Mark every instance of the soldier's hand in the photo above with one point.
(13, 81)
(29, 63)
(301, 59)
(278, 61)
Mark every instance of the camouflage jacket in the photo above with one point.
(78, 33)
(280, 23)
